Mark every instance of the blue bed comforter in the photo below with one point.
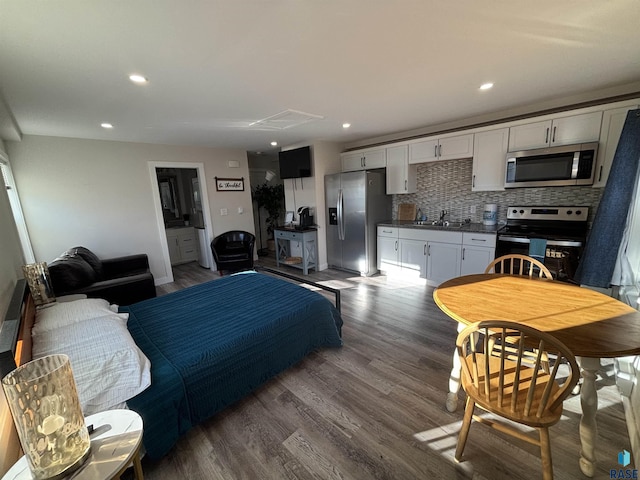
(212, 344)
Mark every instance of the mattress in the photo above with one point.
(212, 344)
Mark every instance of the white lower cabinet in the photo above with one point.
(443, 262)
(413, 257)
(182, 245)
(436, 255)
(475, 259)
(478, 251)
(388, 249)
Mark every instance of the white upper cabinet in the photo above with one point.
(557, 131)
(423, 151)
(363, 160)
(401, 177)
(460, 146)
(446, 148)
(612, 124)
(489, 157)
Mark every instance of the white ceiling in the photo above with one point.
(216, 67)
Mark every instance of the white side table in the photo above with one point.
(115, 445)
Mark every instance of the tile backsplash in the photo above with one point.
(446, 185)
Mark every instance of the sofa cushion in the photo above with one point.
(69, 272)
(89, 257)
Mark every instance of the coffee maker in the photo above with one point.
(305, 219)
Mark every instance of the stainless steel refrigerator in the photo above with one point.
(356, 203)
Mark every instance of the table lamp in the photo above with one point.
(43, 400)
(39, 281)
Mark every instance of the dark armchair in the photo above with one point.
(233, 251)
(121, 280)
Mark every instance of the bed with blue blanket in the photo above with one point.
(212, 344)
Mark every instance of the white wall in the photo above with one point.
(310, 191)
(326, 161)
(98, 194)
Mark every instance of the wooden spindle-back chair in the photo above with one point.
(516, 264)
(512, 385)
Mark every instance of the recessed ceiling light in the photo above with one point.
(486, 86)
(106, 125)
(274, 144)
(135, 78)
(346, 125)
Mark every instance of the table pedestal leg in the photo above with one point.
(588, 426)
(454, 379)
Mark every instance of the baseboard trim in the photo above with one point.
(162, 280)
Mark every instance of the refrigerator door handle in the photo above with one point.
(340, 216)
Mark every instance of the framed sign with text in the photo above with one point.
(230, 184)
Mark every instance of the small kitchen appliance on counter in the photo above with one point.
(490, 214)
(305, 219)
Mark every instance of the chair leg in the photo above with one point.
(545, 454)
(464, 429)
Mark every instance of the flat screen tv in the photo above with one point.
(295, 163)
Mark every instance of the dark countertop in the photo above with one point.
(296, 228)
(453, 226)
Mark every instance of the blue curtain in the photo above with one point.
(601, 251)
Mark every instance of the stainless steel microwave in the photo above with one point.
(552, 167)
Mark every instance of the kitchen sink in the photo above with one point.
(439, 226)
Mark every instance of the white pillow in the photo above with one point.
(63, 314)
(107, 365)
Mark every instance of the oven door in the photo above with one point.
(561, 256)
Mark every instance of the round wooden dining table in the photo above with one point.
(592, 325)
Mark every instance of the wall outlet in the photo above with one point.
(472, 209)
(224, 211)
(240, 210)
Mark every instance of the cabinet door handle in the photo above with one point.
(396, 245)
(463, 253)
(440, 150)
(478, 239)
(405, 186)
(424, 250)
(473, 182)
(553, 137)
(546, 136)
(429, 250)
(600, 174)
(435, 150)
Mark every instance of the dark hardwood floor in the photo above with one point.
(375, 407)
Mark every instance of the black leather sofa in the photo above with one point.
(121, 280)
(233, 251)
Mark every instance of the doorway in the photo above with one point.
(182, 212)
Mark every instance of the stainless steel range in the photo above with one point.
(563, 228)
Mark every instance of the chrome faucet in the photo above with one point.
(443, 214)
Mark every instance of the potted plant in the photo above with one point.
(271, 198)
